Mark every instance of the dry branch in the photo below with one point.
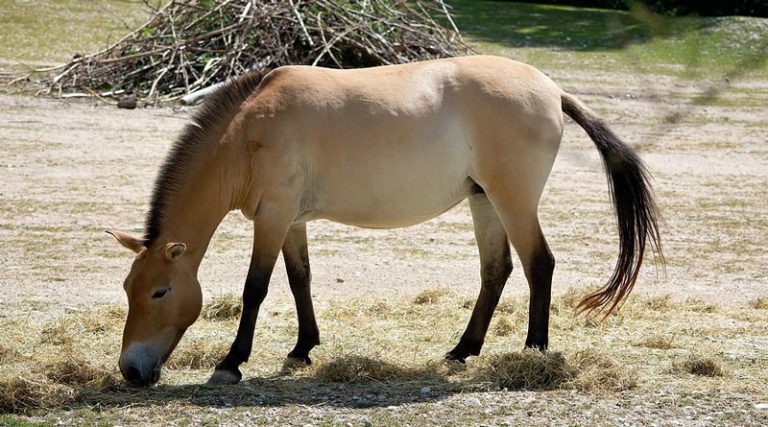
(190, 45)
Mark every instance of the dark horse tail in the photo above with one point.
(636, 211)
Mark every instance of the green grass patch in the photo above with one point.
(637, 41)
(14, 421)
(52, 31)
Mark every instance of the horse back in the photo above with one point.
(396, 145)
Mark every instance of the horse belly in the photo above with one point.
(391, 182)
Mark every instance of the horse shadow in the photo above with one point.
(278, 390)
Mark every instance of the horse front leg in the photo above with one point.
(270, 228)
(296, 258)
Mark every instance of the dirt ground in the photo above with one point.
(72, 169)
(69, 170)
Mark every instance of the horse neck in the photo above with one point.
(200, 204)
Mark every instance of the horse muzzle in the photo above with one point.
(139, 367)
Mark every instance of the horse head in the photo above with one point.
(164, 299)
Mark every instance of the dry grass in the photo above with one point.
(661, 303)
(223, 307)
(429, 296)
(698, 305)
(72, 369)
(699, 365)
(376, 346)
(568, 300)
(503, 327)
(657, 341)
(7, 354)
(759, 303)
(510, 305)
(22, 394)
(197, 354)
(587, 370)
(597, 371)
(357, 368)
(55, 334)
(96, 320)
(529, 369)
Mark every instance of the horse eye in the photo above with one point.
(160, 293)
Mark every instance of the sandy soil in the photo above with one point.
(72, 169)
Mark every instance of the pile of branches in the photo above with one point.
(190, 45)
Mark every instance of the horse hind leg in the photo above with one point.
(296, 259)
(524, 231)
(495, 268)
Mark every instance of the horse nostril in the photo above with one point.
(132, 375)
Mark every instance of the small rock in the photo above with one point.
(473, 401)
(761, 406)
(339, 280)
(127, 102)
(426, 390)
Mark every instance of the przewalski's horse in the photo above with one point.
(380, 147)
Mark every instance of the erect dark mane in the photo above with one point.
(207, 122)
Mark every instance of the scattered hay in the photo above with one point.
(6, 354)
(570, 299)
(378, 308)
(503, 327)
(661, 303)
(56, 334)
(760, 303)
(73, 370)
(113, 311)
(20, 395)
(429, 296)
(445, 367)
(97, 320)
(197, 354)
(698, 305)
(223, 307)
(529, 369)
(356, 368)
(511, 306)
(657, 341)
(699, 365)
(599, 372)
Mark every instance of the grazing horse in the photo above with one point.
(380, 147)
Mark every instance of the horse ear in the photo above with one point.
(129, 241)
(173, 251)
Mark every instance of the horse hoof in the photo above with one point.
(456, 359)
(291, 364)
(222, 377)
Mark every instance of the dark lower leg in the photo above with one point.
(496, 266)
(539, 275)
(253, 295)
(472, 339)
(299, 276)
